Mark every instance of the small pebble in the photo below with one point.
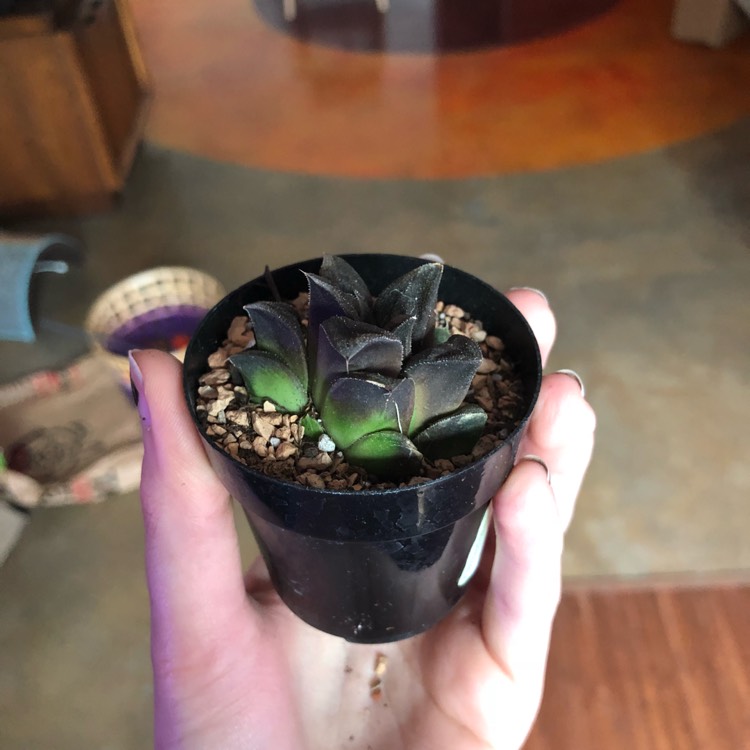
(494, 343)
(240, 418)
(479, 336)
(486, 366)
(260, 447)
(326, 444)
(274, 441)
(313, 480)
(262, 425)
(286, 450)
(215, 377)
(268, 407)
(218, 358)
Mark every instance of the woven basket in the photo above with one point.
(154, 292)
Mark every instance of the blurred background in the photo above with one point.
(598, 150)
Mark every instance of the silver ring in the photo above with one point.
(537, 460)
(432, 257)
(573, 374)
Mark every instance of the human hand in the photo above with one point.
(234, 668)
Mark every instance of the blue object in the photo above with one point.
(21, 256)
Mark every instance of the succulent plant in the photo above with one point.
(375, 374)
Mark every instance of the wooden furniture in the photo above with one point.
(74, 93)
(649, 666)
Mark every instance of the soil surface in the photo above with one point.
(274, 443)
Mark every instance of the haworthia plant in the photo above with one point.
(375, 374)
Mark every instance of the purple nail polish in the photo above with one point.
(136, 386)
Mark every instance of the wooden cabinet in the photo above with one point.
(73, 98)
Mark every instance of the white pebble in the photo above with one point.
(274, 441)
(325, 444)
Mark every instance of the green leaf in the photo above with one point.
(442, 334)
(414, 293)
(359, 404)
(313, 428)
(344, 277)
(387, 454)
(278, 331)
(346, 346)
(267, 378)
(454, 434)
(442, 376)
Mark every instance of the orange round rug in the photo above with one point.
(230, 87)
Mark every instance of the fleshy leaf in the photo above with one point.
(442, 334)
(313, 428)
(346, 346)
(278, 331)
(404, 331)
(414, 293)
(344, 277)
(387, 454)
(454, 434)
(268, 378)
(326, 301)
(359, 404)
(442, 376)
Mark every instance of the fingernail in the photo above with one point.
(136, 386)
(537, 460)
(530, 289)
(573, 374)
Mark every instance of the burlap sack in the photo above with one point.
(68, 437)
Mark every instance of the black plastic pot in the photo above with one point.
(376, 565)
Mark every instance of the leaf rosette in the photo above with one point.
(373, 373)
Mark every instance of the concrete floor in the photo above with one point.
(645, 260)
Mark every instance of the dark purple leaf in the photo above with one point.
(359, 404)
(278, 331)
(414, 293)
(455, 434)
(404, 331)
(344, 277)
(347, 346)
(442, 376)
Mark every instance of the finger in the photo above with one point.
(192, 554)
(561, 433)
(525, 584)
(535, 308)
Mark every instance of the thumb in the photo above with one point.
(192, 553)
